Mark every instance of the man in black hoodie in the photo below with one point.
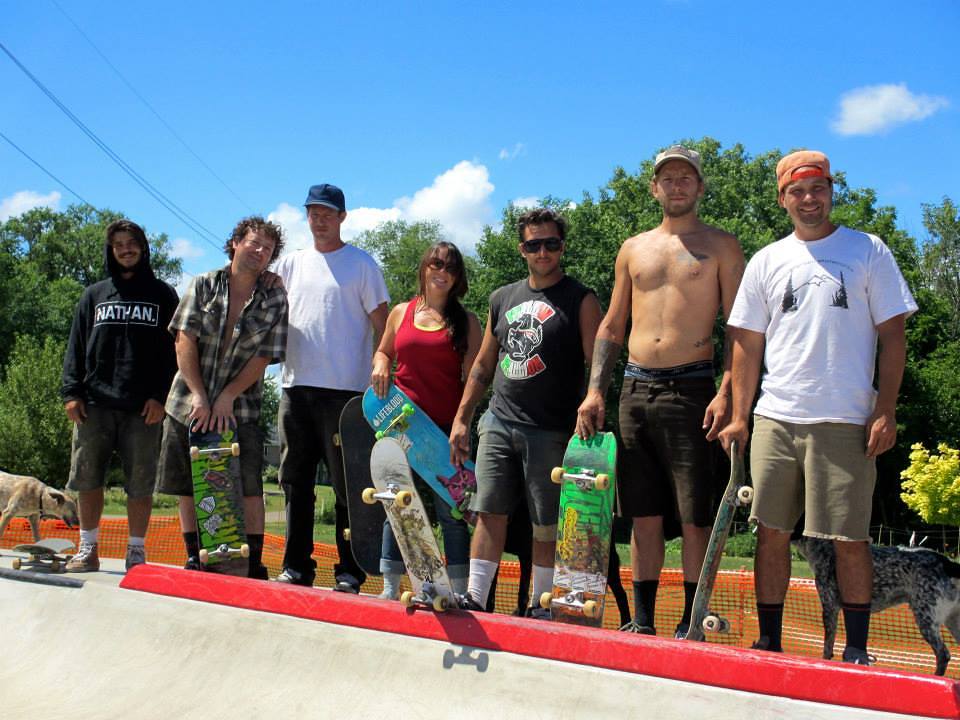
(119, 364)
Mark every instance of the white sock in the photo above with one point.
(482, 573)
(136, 541)
(542, 582)
(89, 536)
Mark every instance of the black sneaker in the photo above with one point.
(347, 583)
(635, 627)
(856, 656)
(465, 602)
(193, 563)
(538, 613)
(292, 577)
(681, 632)
(763, 643)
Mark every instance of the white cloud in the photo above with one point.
(458, 199)
(186, 249)
(526, 202)
(509, 154)
(874, 109)
(20, 202)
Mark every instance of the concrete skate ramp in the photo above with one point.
(169, 644)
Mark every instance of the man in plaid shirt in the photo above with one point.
(229, 326)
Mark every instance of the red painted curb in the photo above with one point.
(733, 668)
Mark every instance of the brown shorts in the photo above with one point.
(666, 466)
(820, 471)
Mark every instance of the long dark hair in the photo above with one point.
(454, 314)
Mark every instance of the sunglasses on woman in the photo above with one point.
(551, 243)
(439, 264)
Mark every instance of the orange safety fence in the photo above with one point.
(894, 637)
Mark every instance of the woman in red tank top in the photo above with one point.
(432, 340)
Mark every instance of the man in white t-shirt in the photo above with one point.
(820, 309)
(338, 304)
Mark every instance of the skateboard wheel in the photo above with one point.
(403, 498)
(440, 603)
(590, 608)
(745, 495)
(368, 495)
(16, 563)
(336, 439)
(408, 410)
(602, 481)
(235, 449)
(194, 453)
(245, 550)
(346, 534)
(204, 556)
(556, 475)
(406, 598)
(379, 434)
(456, 514)
(545, 599)
(711, 623)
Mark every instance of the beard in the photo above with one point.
(679, 208)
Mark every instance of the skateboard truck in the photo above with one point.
(400, 421)
(427, 597)
(215, 453)
(585, 479)
(574, 600)
(393, 494)
(224, 551)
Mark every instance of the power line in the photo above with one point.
(150, 107)
(171, 206)
(50, 174)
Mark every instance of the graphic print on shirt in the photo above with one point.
(526, 320)
(819, 282)
(119, 312)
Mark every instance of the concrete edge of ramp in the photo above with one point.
(748, 671)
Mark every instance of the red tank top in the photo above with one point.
(428, 368)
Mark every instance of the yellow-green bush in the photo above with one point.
(931, 485)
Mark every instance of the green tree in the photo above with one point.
(941, 255)
(34, 430)
(270, 406)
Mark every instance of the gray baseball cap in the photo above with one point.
(679, 152)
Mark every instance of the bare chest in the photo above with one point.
(675, 266)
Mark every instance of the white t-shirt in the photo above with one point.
(329, 336)
(818, 304)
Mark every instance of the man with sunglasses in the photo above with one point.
(670, 283)
(823, 311)
(538, 337)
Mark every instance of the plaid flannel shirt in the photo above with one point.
(261, 331)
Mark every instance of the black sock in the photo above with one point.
(689, 593)
(645, 601)
(770, 617)
(856, 618)
(192, 541)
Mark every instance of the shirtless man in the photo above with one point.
(672, 281)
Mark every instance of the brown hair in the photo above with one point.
(256, 224)
(454, 313)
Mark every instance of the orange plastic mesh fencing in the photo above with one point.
(894, 637)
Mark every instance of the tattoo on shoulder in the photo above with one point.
(605, 354)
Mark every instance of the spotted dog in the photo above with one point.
(926, 580)
(24, 496)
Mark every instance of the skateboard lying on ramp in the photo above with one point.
(736, 494)
(584, 529)
(356, 439)
(426, 445)
(218, 496)
(44, 555)
(393, 486)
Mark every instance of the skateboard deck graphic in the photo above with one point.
(218, 496)
(426, 445)
(736, 494)
(584, 529)
(45, 555)
(366, 521)
(393, 486)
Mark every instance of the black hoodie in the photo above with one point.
(120, 353)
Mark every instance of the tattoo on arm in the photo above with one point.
(481, 375)
(605, 354)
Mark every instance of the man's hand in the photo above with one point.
(152, 412)
(76, 411)
(590, 415)
(738, 431)
(459, 442)
(271, 280)
(221, 414)
(199, 418)
(881, 432)
(717, 415)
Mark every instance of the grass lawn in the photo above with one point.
(323, 529)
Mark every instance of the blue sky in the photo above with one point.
(449, 111)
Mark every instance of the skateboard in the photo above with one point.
(365, 531)
(426, 446)
(393, 486)
(218, 496)
(584, 530)
(45, 555)
(736, 494)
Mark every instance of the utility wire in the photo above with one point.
(50, 174)
(150, 107)
(171, 206)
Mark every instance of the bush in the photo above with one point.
(931, 485)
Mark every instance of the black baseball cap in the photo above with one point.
(326, 194)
